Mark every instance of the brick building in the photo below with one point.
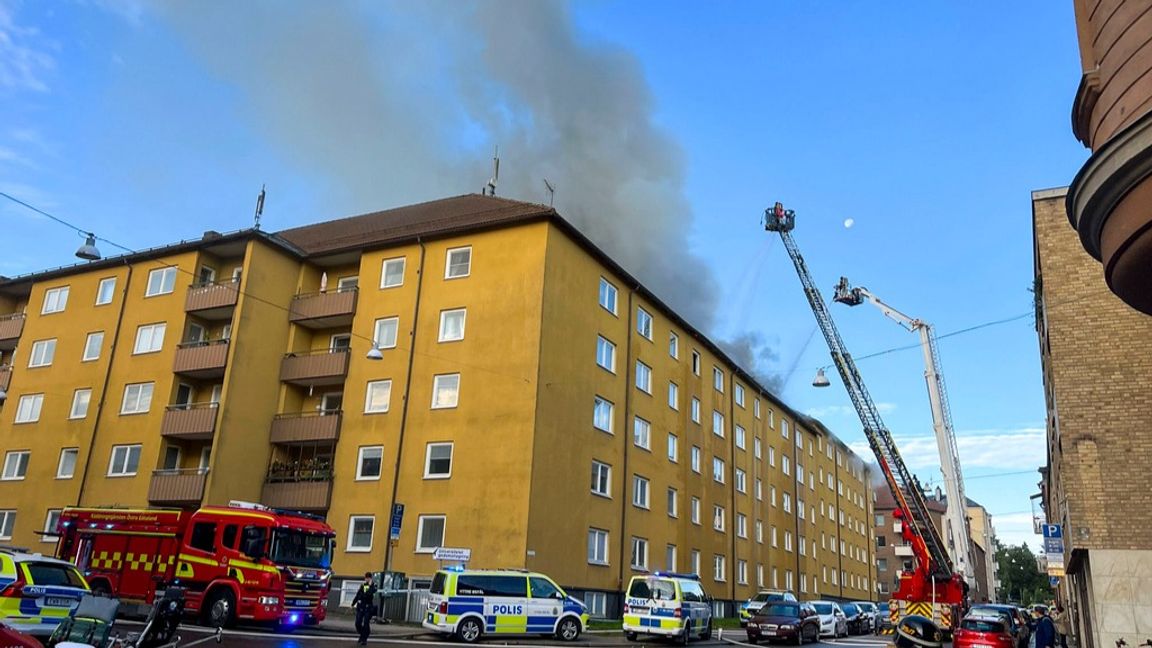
(893, 555)
(1096, 357)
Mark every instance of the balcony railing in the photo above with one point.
(11, 327)
(5, 376)
(302, 428)
(201, 360)
(315, 368)
(193, 421)
(212, 300)
(182, 487)
(281, 472)
(322, 310)
(298, 496)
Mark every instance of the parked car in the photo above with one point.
(983, 629)
(37, 593)
(789, 621)
(1017, 622)
(13, 638)
(856, 619)
(869, 609)
(832, 620)
(751, 606)
(884, 617)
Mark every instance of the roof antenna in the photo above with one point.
(551, 191)
(490, 188)
(259, 206)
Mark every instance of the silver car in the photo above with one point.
(833, 621)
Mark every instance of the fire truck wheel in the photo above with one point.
(219, 609)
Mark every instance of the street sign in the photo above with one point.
(1055, 571)
(452, 554)
(397, 519)
(1054, 581)
(1053, 531)
(1054, 545)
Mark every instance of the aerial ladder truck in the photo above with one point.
(931, 588)
(956, 517)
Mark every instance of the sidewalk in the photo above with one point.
(339, 623)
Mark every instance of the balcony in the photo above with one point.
(191, 422)
(201, 360)
(324, 310)
(315, 369)
(903, 550)
(305, 485)
(5, 377)
(306, 429)
(178, 487)
(213, 300)
(11, 326)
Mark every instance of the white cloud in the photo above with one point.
(1020, 449)
(829, 411)
(23, 59)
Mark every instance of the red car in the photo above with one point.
(983, 631)
(12, 638)
(787, 621)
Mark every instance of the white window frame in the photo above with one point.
(718, 515)
(98, 338)
(602, 478)
(378, 339)
(742, 572)
(448, 262)
(50, 525)
(42, 354)
(719, 568)
(597, 546)
(384, 265)
(694, 510)
(7, 524)
(718, 379)
(101, 298)
(673, 345)
(740, 480)
(673, 395)
(13, 458)
(127, 454)
(673, 448)
(75, 454)
(717, 423)
(641, 492)
(742, 526)
(741, 435)
(360, 456)
(352, 520)
(370, 394)
(695, 362)
(756, 407)
(608, 292)
(642, 433)
(673, 502)
(124, 410)
(152, 337)
(444, 315)
(28, 408)
(428, 474)
(758, 489)
(420, 521)
(695, 455)
(604, 344)
(670, 557)
(759, 532)
(55, 300)
(644, 323)
(695, 410)
(719, 467)
(166, 282)
(596, 409)
(639, 549)
(757, 447)
(72, 414)
(437, 381)
(738, 389)
(643, 377)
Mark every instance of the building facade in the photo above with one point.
(474, 359)
(1096, 357)
(984, 541)
(1112, 116)
(893, 554)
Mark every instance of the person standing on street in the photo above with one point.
(1045, 631)
(1060, 622)
(365, 604)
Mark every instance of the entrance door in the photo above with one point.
(331, 403)
(184, 395)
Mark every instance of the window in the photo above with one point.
(717, 423)
(759, 489)
(80, 400)
(695, 410)
(66, 468)
(607, 296)
(641, 433)
(772, 493)
(106, 291)
(429, 533)
(879, 519)
(602, 415)
(739, 390)
(785, 464)
(597, 603)
(756, 408)
(458, 263)
(741, 481)
(787, 502)
(718, 568)
(55, 300)
(775, 579)
(597, 547)
(445, 391)
(759, 532)
(28, 409)
(50, 523)
(799, 440)
(643, 377)
(171, 458)
(16, 464)
(360, 529)
(43, 351)
(125, 460)
(161, 281)
(137, 398)
(438, 461)
(695, 362)
(759, 575)
(670, 557)
(718, 379)
(378, 396)
(385, 335)
(368, 463)
(673, 448)
(772, 456)
(643, 322)
(741, 525)
(695, 459)
(742, 572)
(601, 479)
(149, 338)
(673, 508)
(452, 324)
(784, 429)
(740, 440)
(718, 470)
(881, 541)
(639, 491)
(773, 536)
(392, 273)
(757, 447)
(606, 354)
(673, 396)
(695, 561)
(718, 517)
(639, 553)
(674, 345)
(881, 564)
(695, 510)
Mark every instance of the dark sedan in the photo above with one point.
(792, 622)
(858, 621)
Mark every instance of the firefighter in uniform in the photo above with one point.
(365, 605)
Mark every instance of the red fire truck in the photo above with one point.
(243, 561)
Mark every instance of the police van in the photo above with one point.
(667, 605)
(37, 593)
(470, 603)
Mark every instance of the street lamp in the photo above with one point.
(820, 380)
(88, 251)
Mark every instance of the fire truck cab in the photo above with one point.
(242, 561)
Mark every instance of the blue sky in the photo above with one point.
(666, 127)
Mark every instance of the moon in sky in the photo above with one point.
(849, 222)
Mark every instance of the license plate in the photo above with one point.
(302, 602)
(56, 601)
(770, 633)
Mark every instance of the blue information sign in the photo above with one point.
(397, 519)
(1053, 531)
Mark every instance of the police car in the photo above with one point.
(667, 605)
(37, 593)
(470, 603)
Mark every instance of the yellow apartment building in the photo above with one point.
(474, 359)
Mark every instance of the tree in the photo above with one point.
(1020, 578)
